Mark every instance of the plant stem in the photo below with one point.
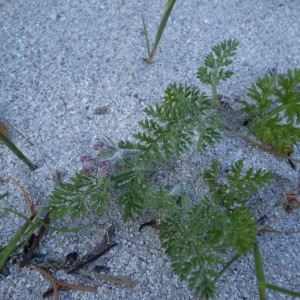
(260, 274)
(228, 265)
(262, 147)
(215, 102)
(146, 34)
(282, 290)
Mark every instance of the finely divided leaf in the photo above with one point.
(276, 118)
(170, 128)
(74, 198)
(216, 60)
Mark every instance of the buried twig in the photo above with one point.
(60, 264)
(58, 284)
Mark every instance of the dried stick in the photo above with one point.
(58, 263)
(102, 250)
(58, 284)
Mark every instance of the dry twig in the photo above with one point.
(58, 284)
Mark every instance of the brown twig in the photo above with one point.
(60, 264)
(29, 202)
(58, 284)
(99, 252)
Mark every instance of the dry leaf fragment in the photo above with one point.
(291, 202)
(100, 110)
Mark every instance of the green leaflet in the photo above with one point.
(214, 70)
(74, 198)
(134, 189)
(217, 225)
(276, 117)
(170, 127)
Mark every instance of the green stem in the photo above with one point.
(146, 34)
(228, 265)
(27, 229)
(215, 102)
(260, 274)
(279, 109)
(282, 290)
(16, 150)
(262, 147)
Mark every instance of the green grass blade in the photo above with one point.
(4, 195)
(229, 264)
(26, 230)
(16, 150)
(282, 290)
(161, 28)
(260, 274)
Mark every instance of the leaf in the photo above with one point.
(4, 129)
(170, 127)
(221, 224)
(74, 198)
(215, 62)
(134, 189)
(276, 117)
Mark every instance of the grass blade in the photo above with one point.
(161, 28)
(282, 290)
(16, 150)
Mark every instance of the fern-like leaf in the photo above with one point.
(74, 198)
(171, 126)
(134, 189)
(215, 62)
(196, 243)
(276, 118)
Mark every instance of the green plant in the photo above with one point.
(262, 284)
(220, 224)
(213, 70)
(161, 28)
(22, 236)
(73, 198)
(276, 117)
(198, 237)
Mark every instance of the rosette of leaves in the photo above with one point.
(275, 118)
(220, 224)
